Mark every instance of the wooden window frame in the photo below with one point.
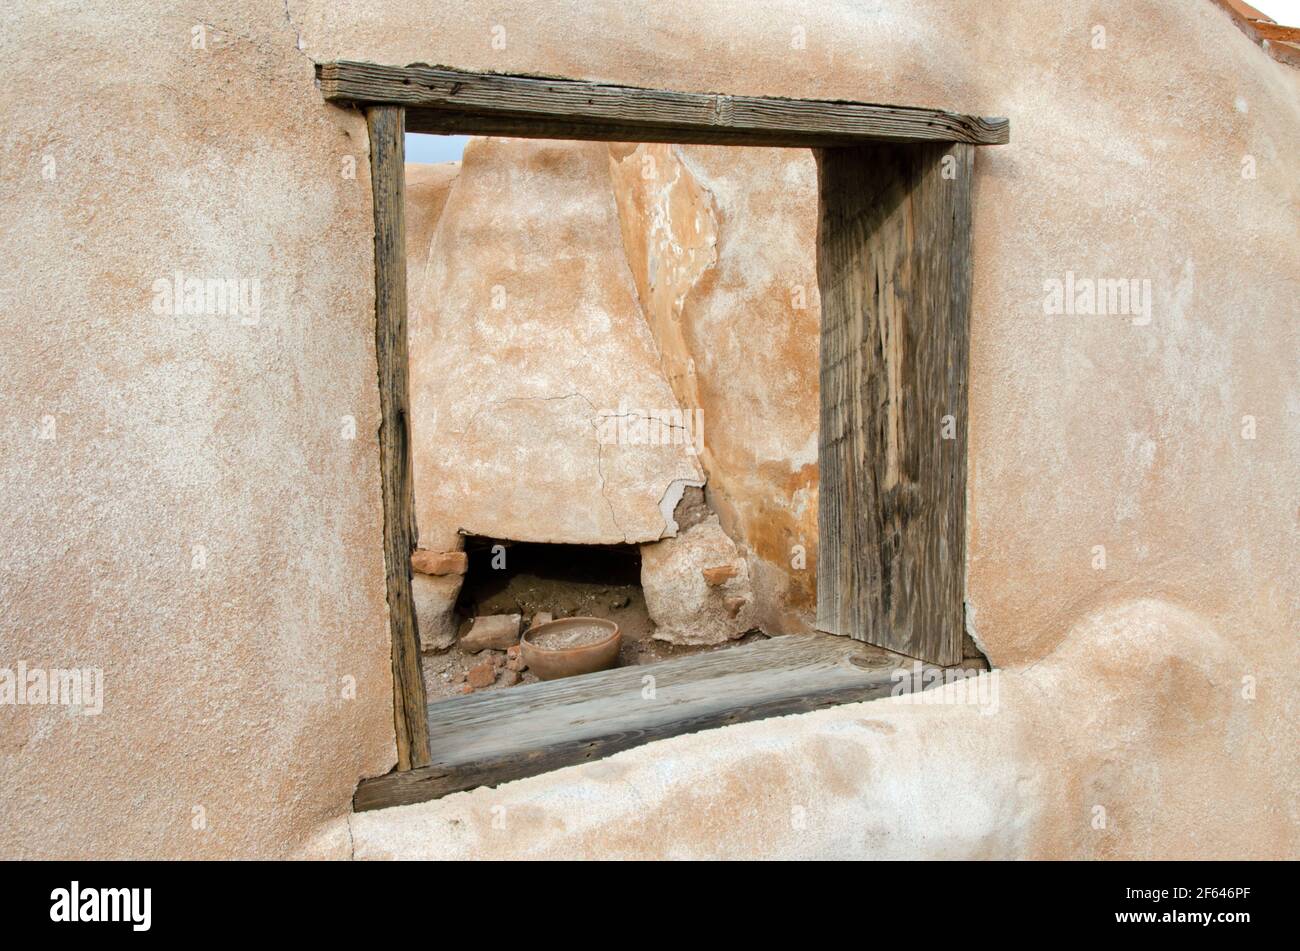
(894, 269)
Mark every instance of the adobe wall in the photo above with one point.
(172, 435)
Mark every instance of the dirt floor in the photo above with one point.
(565, 581)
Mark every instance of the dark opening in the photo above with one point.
(529, 578)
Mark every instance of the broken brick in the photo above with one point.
(717, 575)
(439, 562)
(481, 675)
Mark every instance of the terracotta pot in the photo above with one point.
(551, 663)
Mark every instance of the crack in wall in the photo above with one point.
(297, 34)
(487, 404)
(604, 493)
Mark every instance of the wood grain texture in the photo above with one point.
(444, 100)
(1275, 31)
(388, 183)
(494, 737)
(894, 269)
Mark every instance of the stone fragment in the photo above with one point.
(435, 610)
(492, 631)
(685, 607)
(481, 675)
(509, 678)
(718, 574)
(515, 658)
(439, 562)
(541, 617)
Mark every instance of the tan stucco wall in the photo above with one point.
(1085, 431)
(224, 684)
(1151, 756)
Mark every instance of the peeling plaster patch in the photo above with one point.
(807, 454)
(668, 504)
(669, 225)
(802, 502)
(722, 246)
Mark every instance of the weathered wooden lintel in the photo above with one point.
(438, 99)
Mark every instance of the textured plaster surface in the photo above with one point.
(427, 188)
(204, 522)
(1085, 431)
(721, 242)
(1123, 685)
(527, 343)
(1149, 743)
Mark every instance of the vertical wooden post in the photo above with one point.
(387, 126)
(894, 268)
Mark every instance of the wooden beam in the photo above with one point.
(1275, 31)
(438, 99)
(388, 185)
(894, 268)
(493, 737)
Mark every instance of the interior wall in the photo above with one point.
(563, 292)
(527, 347)
(722, 244)
(1126, 162)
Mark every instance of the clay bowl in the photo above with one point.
(551, 663)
